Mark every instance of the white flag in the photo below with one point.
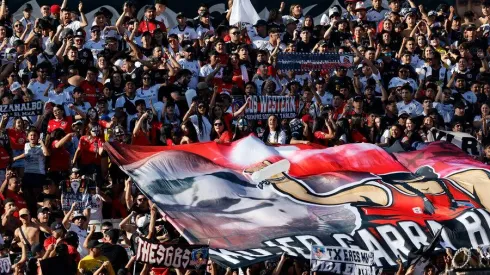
(242, 11)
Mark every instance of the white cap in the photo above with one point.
(360, 6)
(15, 86)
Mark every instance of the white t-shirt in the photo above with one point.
(95, 47)
(34, 159)
(413, 108)
(84, 108)
(327, 98)
(187, 33)
(82, 235)
(74, 25)
(56, 98)
(147, 94)
(192, 66)
(38, 89)
(206, 128)
(446, 111)
(281, 138)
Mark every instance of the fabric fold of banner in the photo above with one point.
(353, 196)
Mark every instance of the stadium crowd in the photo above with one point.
(141, 81)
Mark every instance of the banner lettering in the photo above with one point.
(305, 62)
(354, 196)
(261, 107)
(5, 266)
(172, 255)
(32, 108)
(465, 141)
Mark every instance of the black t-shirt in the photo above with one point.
(166, 91)
(77, 63)
(303, 47)
(337, 38)
(146, 51)
(335, 82)
(86, 58)
(116, 254)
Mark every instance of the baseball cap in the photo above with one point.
(358, 98)
(23, 211)
(28, 7)
(403, 115)
(333, 11)
(470, 26)
(57, 226)
(179, 15)
(16, 85)
(42, 209)
(94, 244)
(77, 215)
(55, 9)
(431, 13)
(119, 130)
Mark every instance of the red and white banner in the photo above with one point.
(253, 202)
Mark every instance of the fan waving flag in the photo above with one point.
(252, 202)
(243, 11)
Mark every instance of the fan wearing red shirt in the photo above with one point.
(11, 189)
(89, 151)
(59, 162)
(92, 89)
(220, 132)
(60, 121)
(149, 24)
(323, 130)
(140, 133)
(17, 139)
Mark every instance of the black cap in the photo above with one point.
(77, 90)
(94, 244)
(179, 14)
(327, 107)
(28, 7)
(66, 32)
(42, 209)
(260, 22)
(470, 26)
(57, 226)
(358, 98)
(320, 81)
(98, 13)
(80, 34)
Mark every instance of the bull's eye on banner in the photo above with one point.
(355, 196)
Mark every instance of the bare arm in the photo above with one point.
(137, 127)
(67, 217)
(84, 23)
(191, 111)
(153, 217)
(3, 122)
(128, 197)
(124, 224)
(280, 264)
(61, 51)
(243, 108)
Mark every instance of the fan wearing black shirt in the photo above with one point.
(306, 44)
(337, 33)
(177, 90)
(338, 80)
(116, 254)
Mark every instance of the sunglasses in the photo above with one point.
(17, 25)
(146, 78)
(95, 30)
(141, 199)
(218, 124)
(235, 33)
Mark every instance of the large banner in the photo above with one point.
(172, 255)
(305, 62)
(252, 201)
(32, 108)
(340, 260)
(261, 107)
